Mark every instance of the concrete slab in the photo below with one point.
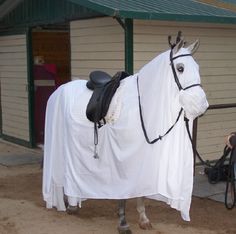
(203, 189)
(20, 159)
(13, 155)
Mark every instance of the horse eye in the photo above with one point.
(180, 68)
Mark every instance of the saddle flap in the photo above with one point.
(99, 102)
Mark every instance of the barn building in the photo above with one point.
(45, 43)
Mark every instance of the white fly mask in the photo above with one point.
(168, 83)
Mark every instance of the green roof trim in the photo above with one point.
(182, 10)
(28, 13)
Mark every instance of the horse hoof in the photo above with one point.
(72, 209)
(124, 230)
(145, 225)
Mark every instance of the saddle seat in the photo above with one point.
(98, 79)
(104, 87)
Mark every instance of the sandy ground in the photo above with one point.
(22, 211)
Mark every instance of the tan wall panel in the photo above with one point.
(213, 128)
(13, 80)
(99, 39)
(19, 133)
(96, 44)
(6, 56)
(12, 49)
(13, 68)
(216, 57)
(116, 46)
(14, 94)
(13, 74)
(17, 62)
(10, 100)
(98, 56)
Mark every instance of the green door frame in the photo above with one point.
(129, 46)
(0, 110)
(127, 25)
(30, 87)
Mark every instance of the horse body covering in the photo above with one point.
(128, 166)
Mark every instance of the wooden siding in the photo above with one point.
(14, 94)
(216, 57)
(96, 44)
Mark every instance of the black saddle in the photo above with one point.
(98, 79)
(104, 87)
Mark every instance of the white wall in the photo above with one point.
(14, 94)
(96, 44)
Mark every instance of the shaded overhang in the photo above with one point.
(7, 6)
(174, 10)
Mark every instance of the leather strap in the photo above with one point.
(191, 86)
(143, 125)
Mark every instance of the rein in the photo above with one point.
(142, 121)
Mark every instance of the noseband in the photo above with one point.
(180, 88)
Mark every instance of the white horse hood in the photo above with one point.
(161, 100)
(128, 167)
(194, 102)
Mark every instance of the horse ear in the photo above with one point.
(193, 47)
(178, 46)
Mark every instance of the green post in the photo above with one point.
(30, 87)
(0, 110)
(129, 56)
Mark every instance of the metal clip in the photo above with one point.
(95, 152)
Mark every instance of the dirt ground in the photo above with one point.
(22, 211)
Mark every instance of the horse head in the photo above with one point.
(185, 72)
(169, 82)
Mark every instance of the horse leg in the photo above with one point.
(144, 222)
(123, 227)
(72, 207)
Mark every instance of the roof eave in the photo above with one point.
(113, 12)
(96, 7)
(177, 17)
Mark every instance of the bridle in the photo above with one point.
(174, 71)
(181, 109)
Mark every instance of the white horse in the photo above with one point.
(144, 148)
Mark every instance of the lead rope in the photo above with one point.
(230, 184)
(193, 146)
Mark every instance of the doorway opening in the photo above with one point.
(51, 68)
